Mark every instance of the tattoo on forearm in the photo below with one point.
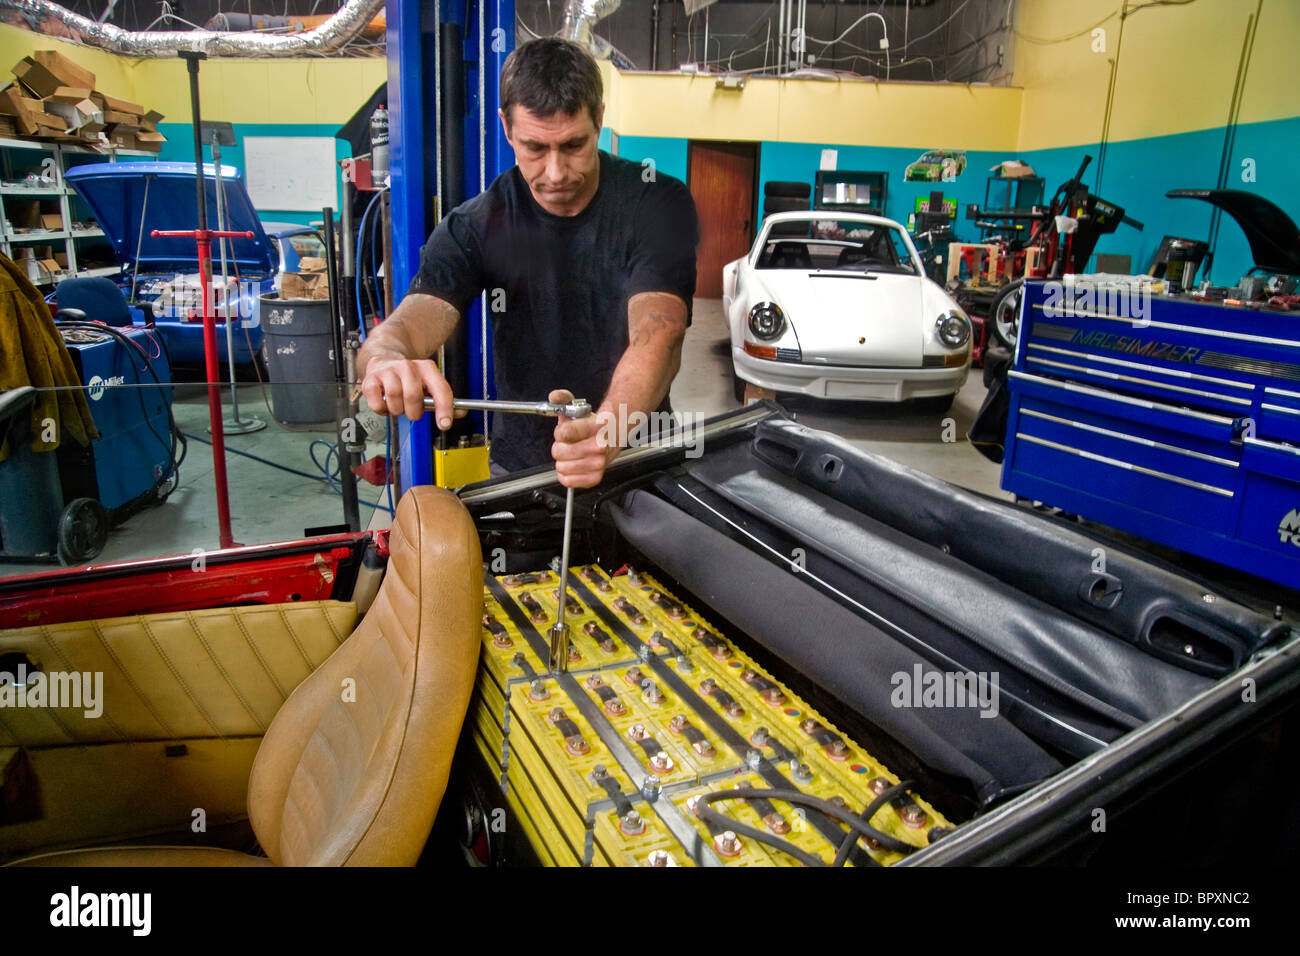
(649, 319)
(646, 327)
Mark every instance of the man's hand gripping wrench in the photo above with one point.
(578, 408)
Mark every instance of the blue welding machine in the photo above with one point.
(128, 388)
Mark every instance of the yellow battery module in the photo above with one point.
(664, 744)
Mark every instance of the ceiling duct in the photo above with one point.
(695, 6)
(330, 37)
(581, 15)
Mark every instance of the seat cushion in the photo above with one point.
(354, 765)
(145, 856)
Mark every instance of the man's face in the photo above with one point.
(557, 155)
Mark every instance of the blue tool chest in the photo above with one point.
(1171, 419)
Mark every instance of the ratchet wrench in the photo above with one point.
(578, 408)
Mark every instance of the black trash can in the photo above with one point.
(298, 348)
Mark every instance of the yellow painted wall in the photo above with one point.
(851, 112)
(306, 90)
(1175, 67)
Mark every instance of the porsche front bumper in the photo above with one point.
(851, 383)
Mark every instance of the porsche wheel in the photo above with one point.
(1005, 314)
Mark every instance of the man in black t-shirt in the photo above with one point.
(588, 262)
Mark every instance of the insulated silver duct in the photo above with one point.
(581, 15)
(329, 37)
(579, 18)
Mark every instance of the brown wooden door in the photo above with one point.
(721, 179)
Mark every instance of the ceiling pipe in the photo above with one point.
(330, 37)
(581, 15)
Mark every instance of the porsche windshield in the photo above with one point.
(836, 245)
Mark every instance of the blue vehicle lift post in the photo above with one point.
(427, 175)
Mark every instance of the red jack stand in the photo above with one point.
(203, 237)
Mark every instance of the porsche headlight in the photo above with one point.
(952, 329)
(766, 320)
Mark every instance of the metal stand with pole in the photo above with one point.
(234, 425)
(203, 237)
(342, 413)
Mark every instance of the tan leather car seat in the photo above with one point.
(354, 765)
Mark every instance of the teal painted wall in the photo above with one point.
(180, 148)
(669, 155)
(799, 162)
(1136, 175)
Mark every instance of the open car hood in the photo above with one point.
(130, 200)
(1272, 234)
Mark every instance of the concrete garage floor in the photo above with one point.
(268, 504)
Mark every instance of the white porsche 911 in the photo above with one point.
(837, 305)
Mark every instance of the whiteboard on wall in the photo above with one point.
(291, 172)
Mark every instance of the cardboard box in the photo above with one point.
(45, 71)
(22, 108)
(153, 142)
(50, 125)
(151, 120)
(70, 94)
(74, 115)
(312, 264)
(52, 221)
(1012, 169)
(117, 105)
(62, 259)
(304, 285)
(114, 118)
(121, 137)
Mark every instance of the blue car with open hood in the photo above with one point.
(131, 200)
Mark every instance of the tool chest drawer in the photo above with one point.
(1174, 420)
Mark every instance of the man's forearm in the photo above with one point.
(656, 326)
(416, 330)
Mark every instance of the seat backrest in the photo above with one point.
(354, 765)
(790, 255)
(850, 256)
(97, 296)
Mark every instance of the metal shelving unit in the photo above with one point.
(52, 161)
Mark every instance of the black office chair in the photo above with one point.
(95, 299)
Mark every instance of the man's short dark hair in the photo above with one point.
(550, 76)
